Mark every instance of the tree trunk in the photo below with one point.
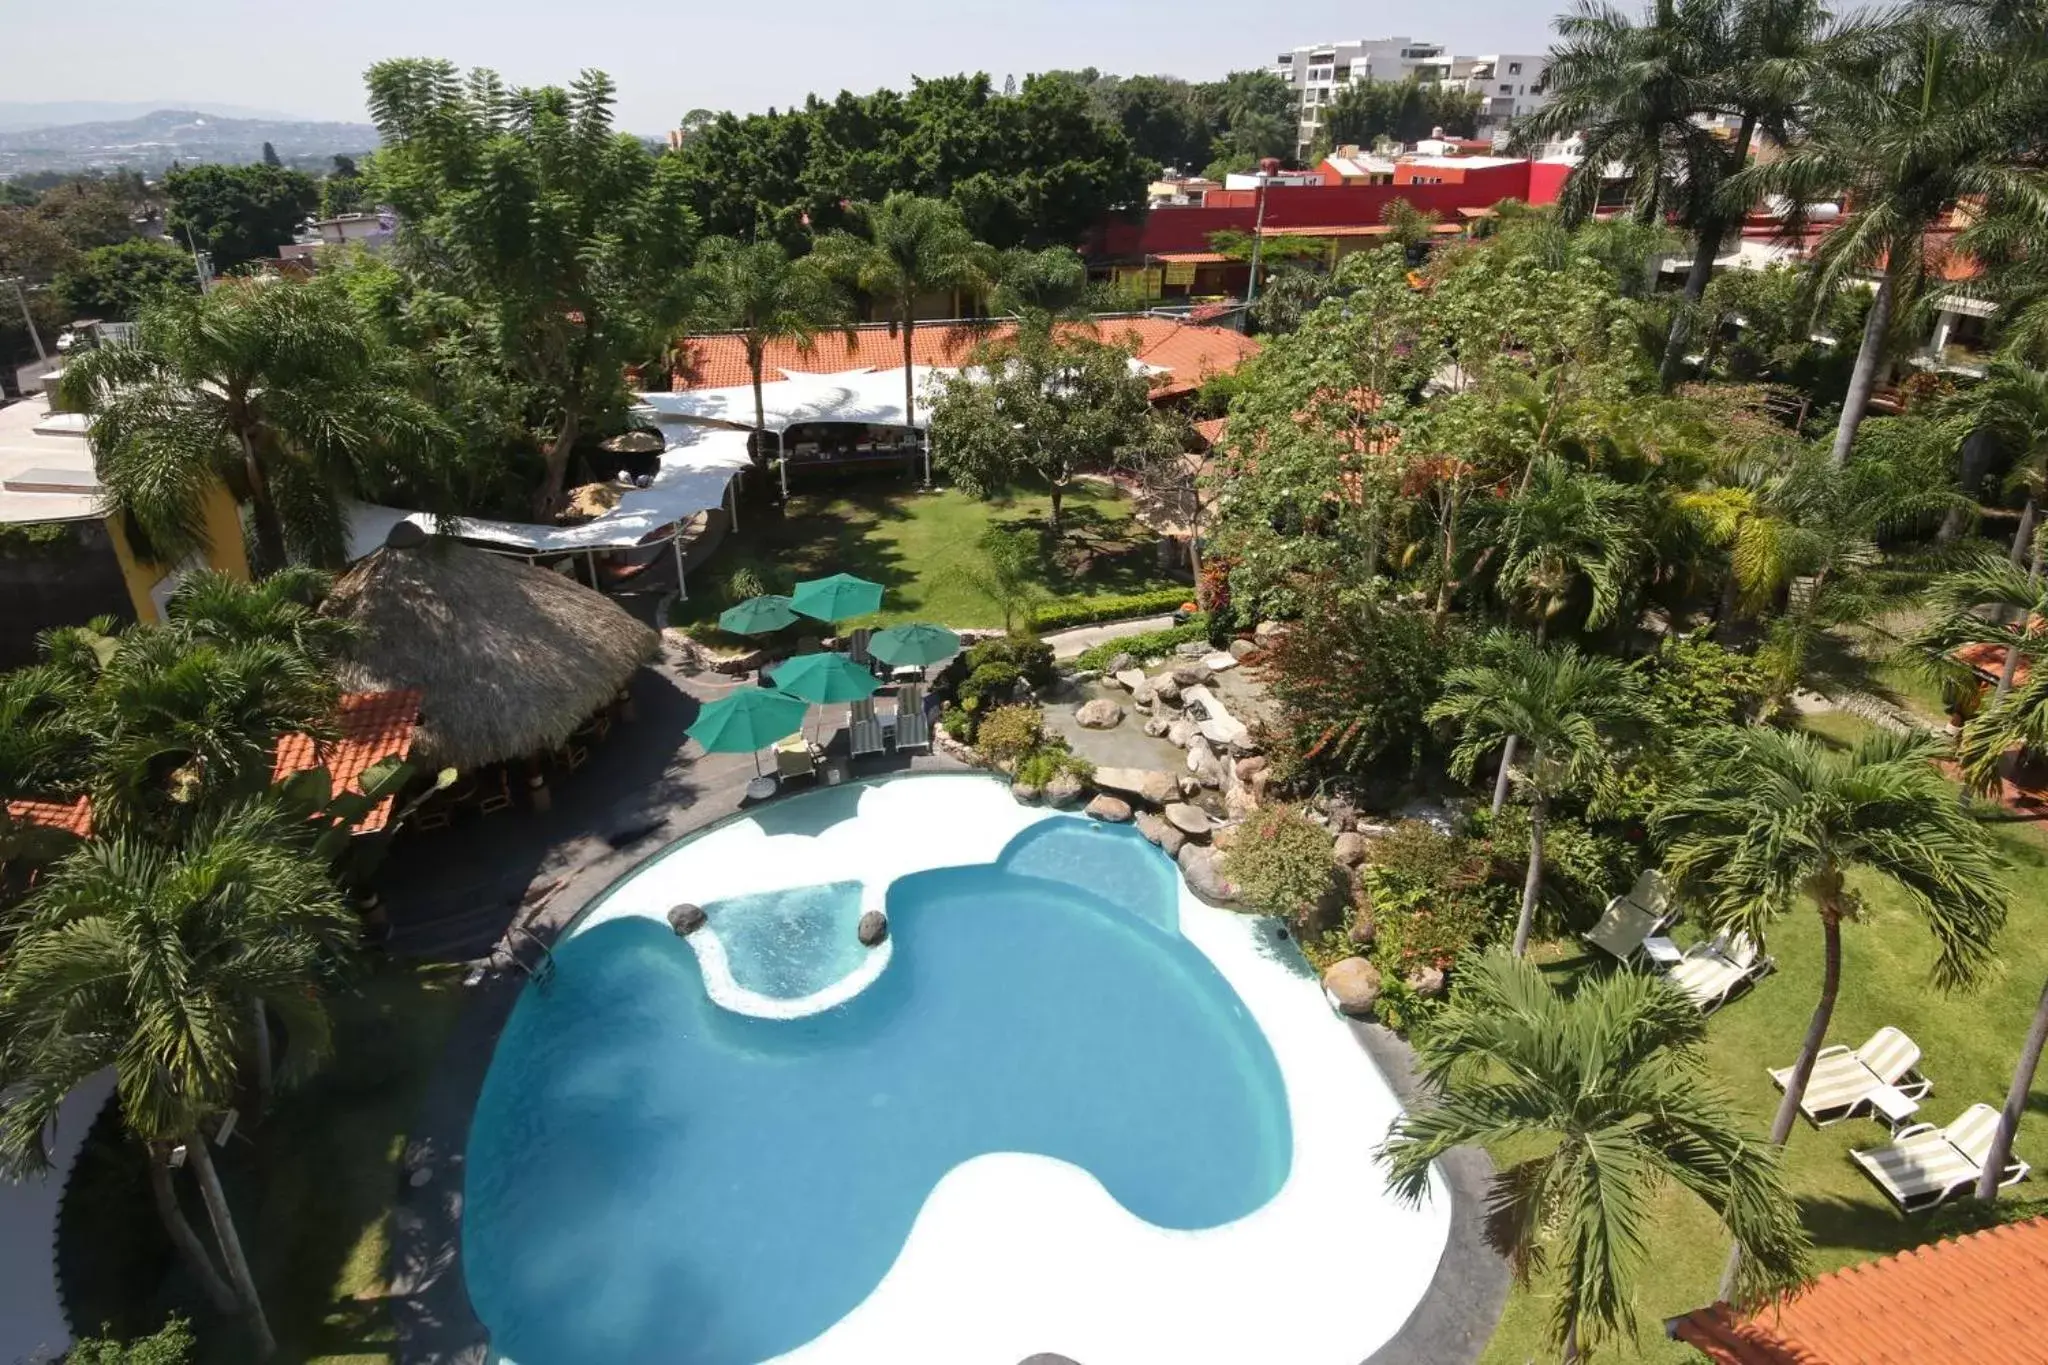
(754, 364)
(556, 473)
(1450, 553)
(1532, 885)
(1809, 1050)
(1571, 1354)
(909, 383)
(190, 1249)
(2015, 1103)
(2020, 550)
(230, 1244)
(1863, 381)
(2024, 532)
(1976, 454)
(1705, 249)
(1507, 752)
(263, 1068)
(269, 530)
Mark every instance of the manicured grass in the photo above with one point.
(312, 1188)
(1970, 1040)
(922, 547)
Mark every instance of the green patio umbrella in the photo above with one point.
(836, 598)
(824, 678)
(757, 616)
(748, 721)
(914, 645)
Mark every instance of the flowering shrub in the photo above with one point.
(1281, 863)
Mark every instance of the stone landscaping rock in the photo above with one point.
(1250, 765)
(873, 928)
(1109, 809)
(1350, 849)
(1238, 802)
(1427, 982)
(1190, 820)
(1341, 813)
(1204, 764)
(1189, 787)
(1353, 985)
(1157, 727)
(1120, 661)
(1142, 694)
(1203, 871)
(1242, 649)
(1130, 679)
(1100, 714)
(1064, 789)
(1165, 689)
(1266, 630)
(1183, 733)
(1191, 649)
(1156, 829)
(1363, 929)
(686, 919)
(1219, 663)
(1153, 788)
(1261, 779)
(1190, 675)
(1027, 793)
(1375, 829)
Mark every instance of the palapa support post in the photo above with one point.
(537, 794)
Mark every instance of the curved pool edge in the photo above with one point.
(436, 1323)
(728, 994)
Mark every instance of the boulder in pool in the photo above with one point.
(1353, 985)
(1153, 788)
(1064, 789)
(873, 928)
(1201, 867)
(1099, 714)
(1156, 829)
(1191, 820)
(1165, 689)
(1109, 808)
(1190, 674)
(686, 919)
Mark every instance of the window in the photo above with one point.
(1514, 68)
(1507, 90)
(1285, 59)
(1427, 180)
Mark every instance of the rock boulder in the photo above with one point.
(1427, 982)
(1153, 788)
(1202, 868)
(1350, 849)
(1242, 649)
(1120, 661)
(1027, 793)
(873, 928)
(1156, 726)
(1156, 829)
(1190, 674)
(1181, 733)
(1100, 714)
(1250, 765)
(1353, 985)
(1110, 809)
(1192, 820)
(1165, 689)
(686, 919)
(1064, 789)
(1129, 679)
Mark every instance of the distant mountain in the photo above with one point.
(151, 142)
(16, 115)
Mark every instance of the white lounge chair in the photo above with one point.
(795, 758)
(1924, 1165)
(863, 728)
(857, 647)
(1629, 920)
(1842, 1080)
(1709, 973)
(913, 727)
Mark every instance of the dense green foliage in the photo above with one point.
(1280, 861)
(114, 283)
(238, 214)
(1146, 645)
(171, 1346)
(1404, 112)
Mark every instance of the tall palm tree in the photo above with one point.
(1566, 705)
(1607, 1088)
(1902, 130)
(282, 609)
(150, 959)
(278, 389)
(757, 291)
(2008, 408)
(913, 247)
(1563, 527)
(1768, 818)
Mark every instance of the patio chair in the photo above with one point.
(1710, 973)
(913, 727)
(863, 728)
(1924, 1165)
(494, 792)
(1842, 1079)
(794, 757)
(1631, 919)
(857, 647)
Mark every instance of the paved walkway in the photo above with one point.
(1067, 643)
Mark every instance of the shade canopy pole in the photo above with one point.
(676, 543)
(732, 498)
(782, 461)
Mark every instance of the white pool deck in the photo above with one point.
(1015, 1254)
(32, 1326)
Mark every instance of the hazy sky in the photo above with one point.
(308, 58)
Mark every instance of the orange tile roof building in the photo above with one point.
(373, 726)
(1190, 352)
(1975, 1300)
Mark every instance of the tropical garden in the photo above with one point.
(1572, 576)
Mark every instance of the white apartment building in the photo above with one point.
(1510, 84)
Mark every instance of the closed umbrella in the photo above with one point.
(748, 721)
(824, 678)
(757, 616)
(836, 598)
(914, 645)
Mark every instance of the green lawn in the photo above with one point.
(1970, 1041)
(922, 548)
(312, 1189)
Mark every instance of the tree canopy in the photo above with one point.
(238, 214)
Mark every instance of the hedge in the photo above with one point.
(1088, 610)
(1145, 646)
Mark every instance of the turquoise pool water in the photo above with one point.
(654, 1179)
(790, 944)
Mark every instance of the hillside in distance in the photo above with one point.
(151, 142)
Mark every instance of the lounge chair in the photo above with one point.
(913, 727)
(1842, 1080)
(1633, 918)
(1924, 1165)
(857, 648)
(863, 728)
(1710, 973)
(794, 758)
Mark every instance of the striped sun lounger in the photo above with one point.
(913, 727)
(863, 728)
(1924, 1165)
(1710, 973)
(1843, 1080)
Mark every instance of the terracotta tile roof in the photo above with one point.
(1211, 431)
(373, 726)
(1191, 352)
(74, 818)
(1989, 661)
(1976, 1300)
(1193, 258)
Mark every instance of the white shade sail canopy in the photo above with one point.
(696, 465)
(871, 396)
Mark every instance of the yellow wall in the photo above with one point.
(224, 552)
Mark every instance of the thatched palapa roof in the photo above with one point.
(508, 658)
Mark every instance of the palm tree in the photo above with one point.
(755, 290)
(277, 389)
(1989, 600)
(282, 609)
(1607, 1088)
(1902, 131)
(1767, 818)
(1565, 704)
(914, 246)
(2009, 408)
(150, 959)
(1563, 526)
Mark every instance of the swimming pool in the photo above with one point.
(1051, 1067)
